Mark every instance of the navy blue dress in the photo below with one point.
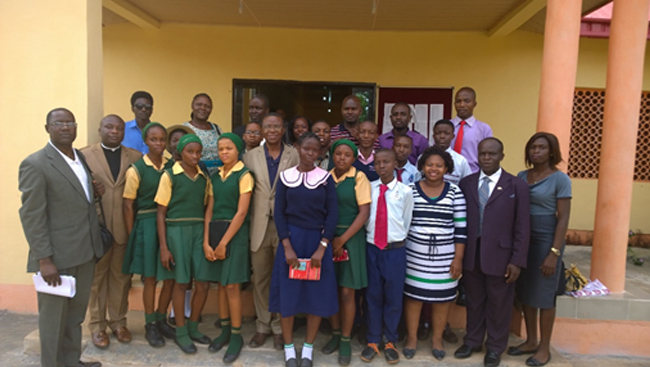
(305, 211)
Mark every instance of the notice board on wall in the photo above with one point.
(428, 105)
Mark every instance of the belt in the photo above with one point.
(394, 245)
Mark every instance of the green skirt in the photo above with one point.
(352, 273)
(142, 251)
(234, 269)
(185, 242)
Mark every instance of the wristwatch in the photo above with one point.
(556, 251)
(323, 243)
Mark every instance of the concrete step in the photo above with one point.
(139, 353)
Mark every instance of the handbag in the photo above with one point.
(575, 281)
(218, 228)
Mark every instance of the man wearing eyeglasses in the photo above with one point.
(61, 226)
(142, 107)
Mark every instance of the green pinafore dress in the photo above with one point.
(350, 274)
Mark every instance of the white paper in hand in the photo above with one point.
(68, 287)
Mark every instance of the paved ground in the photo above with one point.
(19, 342)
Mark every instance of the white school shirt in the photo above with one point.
(77, 167)
(410, 174)
(461, 167)
(399, 205)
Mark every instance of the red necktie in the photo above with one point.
(458, 146)
(381, 221)
(399, 174)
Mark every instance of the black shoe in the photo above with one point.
(465, 351)
(187, 349)
(230, 358)
(331, 346)
(369, 352)
(306, 363)
(408, 353)
(344, 360)
(424, 331)
(516, 351)
(217, 346)
(204, 339)
(449, 336)
(532, 361)
(492, 359)
(391, 354)
(291, 363)
(438, 354)
(166, 330)
(217, 323)
(152, 334)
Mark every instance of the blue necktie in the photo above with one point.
(483, 196)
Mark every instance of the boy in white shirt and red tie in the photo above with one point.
(390, 217)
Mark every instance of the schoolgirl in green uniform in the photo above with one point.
(142, 253)
(232, 188)
(181, 197)
(353, 193)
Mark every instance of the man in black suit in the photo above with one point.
(61, 226)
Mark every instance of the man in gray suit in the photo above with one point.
(61, 226)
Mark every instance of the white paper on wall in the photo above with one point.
(420, 119)
(386, 125)
(436, 112)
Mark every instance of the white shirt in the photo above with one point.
(399, 205)
(410, 173)
(493, 179)
(77, 167)
(461, 167)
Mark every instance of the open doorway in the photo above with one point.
(315, 100)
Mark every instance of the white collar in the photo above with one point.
(312, 179)
(493, 177)
(109, 148)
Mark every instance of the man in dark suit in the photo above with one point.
(498, 227)
(61, 226)
(109, 160)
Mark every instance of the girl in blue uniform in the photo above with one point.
(306, 215)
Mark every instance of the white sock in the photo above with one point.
(171, 314)
(289, 352)
(307, 350)
(188, 303)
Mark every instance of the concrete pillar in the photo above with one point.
(51, 57)
(559, 67)
(627, 42)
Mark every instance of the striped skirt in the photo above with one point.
(427, 272)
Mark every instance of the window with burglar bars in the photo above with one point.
(586, 135)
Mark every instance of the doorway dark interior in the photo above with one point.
(315, 100)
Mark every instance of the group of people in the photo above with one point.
(328, 222)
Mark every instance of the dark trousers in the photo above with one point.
(490, 301)
(60, 318)
(386, 276)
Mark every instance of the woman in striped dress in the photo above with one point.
(434, 248)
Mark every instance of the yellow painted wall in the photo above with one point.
(178, 61)
(51, 56)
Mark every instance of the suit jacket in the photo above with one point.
(506, 224)
(112, 199)
(264, 191)
(58, 220)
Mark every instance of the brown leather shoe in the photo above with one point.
(278, 342)
(122, 334)
(258, 340)
(100, 339)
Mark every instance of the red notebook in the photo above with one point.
(304, 271)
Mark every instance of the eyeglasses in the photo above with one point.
(140, 106)
(61, 124)
(272, 127)
(255, 133)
